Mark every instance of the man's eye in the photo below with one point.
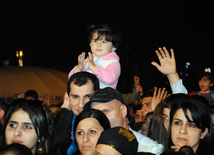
(88, 96)
(147, 104)
(75, 97)
(105, 111)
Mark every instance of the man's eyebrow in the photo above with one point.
(88, 95)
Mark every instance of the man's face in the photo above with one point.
(114, 110)
(79, 96)
(146, 102)
(139, 116)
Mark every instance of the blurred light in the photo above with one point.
(187, 64)
(181, 73)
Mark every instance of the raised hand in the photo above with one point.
(158, 96)
(66, 102)
(91, 64)
(81, 62)
(167, 64)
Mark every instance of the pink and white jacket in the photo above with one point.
(107, 70)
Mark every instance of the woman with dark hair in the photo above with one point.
(27, 123)
(87, 129)
(160, 122)
(191, 125)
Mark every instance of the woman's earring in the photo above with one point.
(40, 149)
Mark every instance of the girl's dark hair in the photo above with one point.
(201, 118)
(40, 121)
(157, 130)
(105, 31)
(16, 149)
(92, 113)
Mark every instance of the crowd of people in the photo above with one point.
(96, 119)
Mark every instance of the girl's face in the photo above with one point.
(205, 85)
(184, 132)
(87, 134)
(166, 117)
(20, 129)
(100, 47)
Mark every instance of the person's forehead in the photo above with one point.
(87, 88)
(106, 104)
(146, 100)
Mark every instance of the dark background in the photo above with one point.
(52, 33)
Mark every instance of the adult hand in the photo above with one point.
(167, 64)
(66, 102)
(158, 96)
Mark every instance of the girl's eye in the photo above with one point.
(12, 125)
(93, 131)
(104, 41)
(28, 127)
(165, 118)
(191, 124)
(177, 122)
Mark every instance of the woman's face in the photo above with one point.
(87, 134)
(166, 117)
(184, 132)
(20, 129)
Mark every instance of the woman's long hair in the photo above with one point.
(40, 121)
(201, 118)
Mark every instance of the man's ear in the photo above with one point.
(123, 109)
(1, 113)
(203, 134)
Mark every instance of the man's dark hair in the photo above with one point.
(81, 78)
(31, 93)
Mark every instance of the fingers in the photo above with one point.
(176, 147)
(163, 53)
(155, 91)
(172, 54)
(81, 57)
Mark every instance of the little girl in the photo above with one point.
(205, 82)
(103, 61)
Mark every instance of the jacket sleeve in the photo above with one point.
(62, 128)
(110, 74)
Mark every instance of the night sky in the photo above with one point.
(52, 33)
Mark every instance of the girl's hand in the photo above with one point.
(91, 64)
(81, 62)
